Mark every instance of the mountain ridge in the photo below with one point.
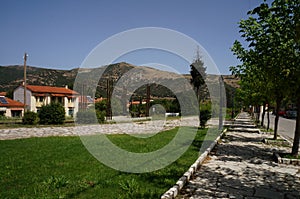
(11, 77)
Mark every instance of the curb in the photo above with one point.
(286, 161)
(173, 191)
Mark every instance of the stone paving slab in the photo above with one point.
(241, 166)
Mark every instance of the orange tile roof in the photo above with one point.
(51, 90)
(99, 99)
(11, 103)
(2, 93)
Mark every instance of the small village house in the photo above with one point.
(85, 102)
(37, 96)
(9, 107)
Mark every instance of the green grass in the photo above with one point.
(278, 142)
(289, 156)
(60, 167)
(265, 130)
(228, 115)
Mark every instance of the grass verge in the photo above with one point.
(61, 167)
(289, 156)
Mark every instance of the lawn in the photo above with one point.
(61, 167)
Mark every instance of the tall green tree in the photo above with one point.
(198, 74)
(272, 33)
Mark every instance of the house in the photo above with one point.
(37, 96)
(10, 108)
(85, 101)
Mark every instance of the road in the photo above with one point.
(286, 126)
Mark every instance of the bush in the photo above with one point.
(100, 106)
(30, 118)
(86, 117)
(2, 117)
(53, 113)
(90, 117)
(100, 116)
(205, 113)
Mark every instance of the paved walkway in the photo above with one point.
(241, 166)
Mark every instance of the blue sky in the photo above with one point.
(61, 33)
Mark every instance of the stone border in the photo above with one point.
(283, 142)
(173, 191)
(276, 155)
(288, 161)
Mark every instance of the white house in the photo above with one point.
(37, 96)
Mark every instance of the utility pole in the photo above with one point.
(25, 59)
(109, 84)
(124, 100)
(221, 104)
(148, 100)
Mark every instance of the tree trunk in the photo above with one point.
(295, 148)
(278, 103)
(199, 102)
(263, 115)
(268, 116)
(257, 113)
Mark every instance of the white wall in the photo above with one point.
(19, 96)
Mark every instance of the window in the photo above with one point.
(16, 113)
(39, 98)
(60, 100)
(71, 112)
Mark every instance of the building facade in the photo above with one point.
(37, 96)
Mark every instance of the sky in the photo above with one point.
(60, 34)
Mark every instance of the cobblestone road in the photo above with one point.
(241, 166)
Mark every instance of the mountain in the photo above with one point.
(132, 79)
(231, 81)
(12, 76)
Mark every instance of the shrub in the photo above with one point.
(2, 117)
(90, 116)
(53, 113)
(30, 118)
(86, 117)
(100, 116)
(100, 106)
(205, 113)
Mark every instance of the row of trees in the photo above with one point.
(270, 68)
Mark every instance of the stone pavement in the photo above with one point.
(121, 127)
(241, 166)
